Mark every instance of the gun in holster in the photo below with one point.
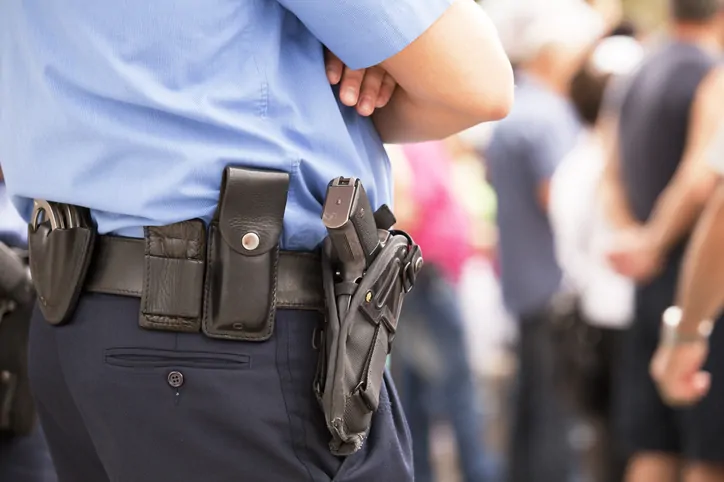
(367, 270)
(17, 413)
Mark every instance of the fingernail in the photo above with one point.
(349, 96)
(366, 106)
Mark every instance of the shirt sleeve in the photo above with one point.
(365, 32)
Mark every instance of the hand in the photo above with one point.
(636, 255)
(365, 89)
(676, 369)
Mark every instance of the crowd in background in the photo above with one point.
(544, 298)
(524, 348)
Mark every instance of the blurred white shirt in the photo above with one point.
(582, 235)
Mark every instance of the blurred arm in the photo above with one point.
(701, 286)
(612, 192)
(682, 201)
(454, 76)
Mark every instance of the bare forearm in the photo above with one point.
(678, 208)
(406, 120)
(454, 76)
(618, 211)
(701, 286)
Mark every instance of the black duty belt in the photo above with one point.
(226, 278)
(119, 264)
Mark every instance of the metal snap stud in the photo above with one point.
(175, 379)
(250, 241)
(368, 296)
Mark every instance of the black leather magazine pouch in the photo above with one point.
(243, 255)
(173, 277)
(61, 239)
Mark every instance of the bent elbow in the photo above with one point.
(495, 99)
(500, 108)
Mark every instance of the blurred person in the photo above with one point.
(178, 357)
(522, 155)
(24, 455)
(657, 183)
(434, 365)
(582, 233)
(681, 365)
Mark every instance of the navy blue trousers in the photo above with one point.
(122, 404)
(26, 458)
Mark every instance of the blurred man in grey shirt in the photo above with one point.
(523, 154)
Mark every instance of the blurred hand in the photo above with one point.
(634, 254)
(677, 371)
(365, 89)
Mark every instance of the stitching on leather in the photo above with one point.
(207, 281)
(170, 321)
(147, 271)
(272, 309)
(116, 291)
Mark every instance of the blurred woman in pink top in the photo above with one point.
(437, 222)
(433, 368)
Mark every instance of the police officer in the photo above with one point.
(135, 110)
(24, 455)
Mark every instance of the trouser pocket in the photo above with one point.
(155, 358)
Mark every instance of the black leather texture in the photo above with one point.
(59, 260)
(118, 269)
(173, 277)
(243, 255)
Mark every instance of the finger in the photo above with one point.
(334, 67)
(388, 88)
(701, 384)
(351, 85)
(370, 91)
(678, 392)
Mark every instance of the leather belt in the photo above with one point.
(118, 269)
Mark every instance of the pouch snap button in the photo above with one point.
(175, 379)
(250, 241)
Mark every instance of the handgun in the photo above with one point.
(351, 225)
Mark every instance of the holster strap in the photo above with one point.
(118, 269)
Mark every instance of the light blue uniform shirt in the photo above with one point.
(134, 107)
